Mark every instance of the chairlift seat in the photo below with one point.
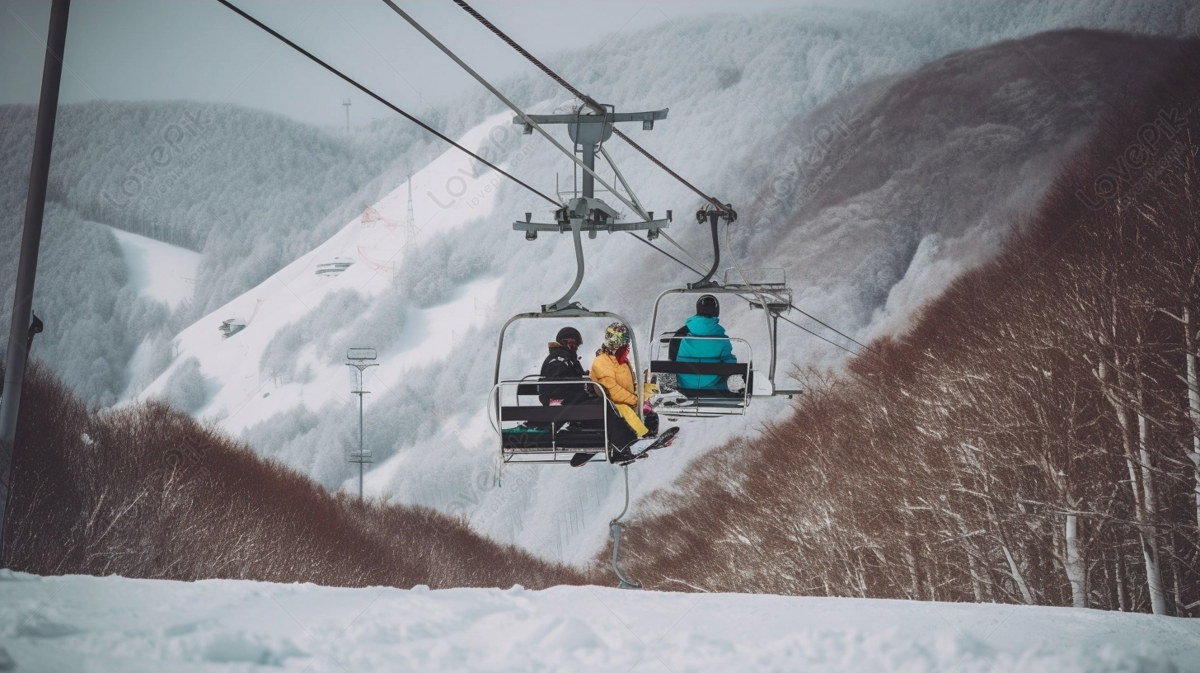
(555, 432)
(574, 440)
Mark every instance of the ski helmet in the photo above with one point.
(569, 334)
(708, 306)
(615, 336)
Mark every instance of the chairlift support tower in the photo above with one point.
(361, 359)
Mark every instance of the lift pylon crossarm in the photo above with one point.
(589, 226)
(646, 118)
(592, 215)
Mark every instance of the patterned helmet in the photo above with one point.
(615, 336)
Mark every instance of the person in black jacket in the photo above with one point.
(562, 364)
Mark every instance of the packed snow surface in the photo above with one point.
(115, 624)
(158, 270)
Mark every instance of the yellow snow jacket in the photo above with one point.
(617, 380)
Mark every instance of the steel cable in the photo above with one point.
(591, 102)
(379, 98)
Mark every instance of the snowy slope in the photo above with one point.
(118, 624)
(158, 270)
(239, 390)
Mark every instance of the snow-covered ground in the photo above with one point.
(158, 270)
(77, 623)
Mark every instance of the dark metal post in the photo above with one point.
(31, 237)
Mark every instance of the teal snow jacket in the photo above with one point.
(704, 350)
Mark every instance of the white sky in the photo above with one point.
(199, 50)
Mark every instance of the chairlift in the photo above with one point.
(508, 414)
(560, 431)
(507, 406)
(764, 289)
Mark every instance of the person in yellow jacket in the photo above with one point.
(611, 369)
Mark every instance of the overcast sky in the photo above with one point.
(199, 50)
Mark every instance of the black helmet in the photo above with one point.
(569, 333)
(708, 307)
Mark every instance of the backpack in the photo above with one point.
(673, 348)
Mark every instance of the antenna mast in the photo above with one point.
(346, 104)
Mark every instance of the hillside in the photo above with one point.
(861, 254)
(145, 491)
(248, 190)
(1034, 438)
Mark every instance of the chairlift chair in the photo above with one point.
(702, 403)
(579, 214)
(554, 444)
(587, 213)
(764, 289)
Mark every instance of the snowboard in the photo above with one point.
(663, 440)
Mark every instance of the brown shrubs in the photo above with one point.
(1034, 439)
(145, 491)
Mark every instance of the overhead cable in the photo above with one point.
(852, 352)
(512, 106)
(724, 208)
(379, 98)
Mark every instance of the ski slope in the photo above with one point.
(76, 623)
(241, 394)
(160, 271)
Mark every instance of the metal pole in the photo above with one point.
(360, 434)
(35, 206)
(615, 526)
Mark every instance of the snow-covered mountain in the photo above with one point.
(864, 161)
(886, 216)
(300, 321)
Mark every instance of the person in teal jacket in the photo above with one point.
(717, 348)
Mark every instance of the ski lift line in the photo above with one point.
(830, 327)
(384, 102)
(834, 343)
(664, 252)
(520, 113)
(583, 97)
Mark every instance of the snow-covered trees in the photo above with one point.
(251, 190)
(1031, 440)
